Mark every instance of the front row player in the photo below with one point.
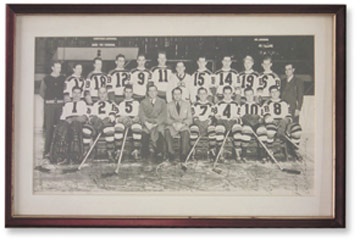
(278, 119)
(227, 115)
(101, 120)
(67, 143)
(128, 117)
(203, 120)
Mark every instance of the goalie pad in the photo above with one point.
(60, 143)
(76, 149)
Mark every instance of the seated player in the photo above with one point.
(94, 81)
(67, 143)
(128, 117)
(179, 119)
(182, 80)
(251, 117)
(278, 119)
(74, 80)
(161, 75)
(119, 77)
(101, 120)
(139, 78)
(226, 76)
(203, 121)
(227, 115)
(202, 78)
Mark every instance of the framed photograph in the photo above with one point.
(175, 116)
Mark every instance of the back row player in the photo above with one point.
(166, 80)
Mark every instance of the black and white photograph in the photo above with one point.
(200, 114)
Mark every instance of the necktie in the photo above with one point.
(178, 108)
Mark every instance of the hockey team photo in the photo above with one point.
(174, 114)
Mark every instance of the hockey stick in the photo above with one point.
(122, 151)
(298, 148)
(89, 151)
(184, 165)
(290, 171)
(218, 170)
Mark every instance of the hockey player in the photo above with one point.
(94, 81)
(119, 77)
(203, 120)
(67, 143)
(101, 120)
(227, 114)
(161, 75)
(248, 79)
(267, 79)
(74, 80)
(202, 78)
(139, 78)
(128, 117)
(226, 76)
(278, 119)
(182, 80)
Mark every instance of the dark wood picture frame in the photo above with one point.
(338, 221)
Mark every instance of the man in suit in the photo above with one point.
(152, 115)
(292, 92)
(179, 119)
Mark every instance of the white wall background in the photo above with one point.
(294, 236)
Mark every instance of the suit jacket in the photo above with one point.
(185, 116)
(292, 92)
(155, 114)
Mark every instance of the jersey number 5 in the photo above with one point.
(128, 107)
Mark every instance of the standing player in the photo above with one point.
(180, 79)
(67, 143)
(119, 77)
(267, 79)
(128, 117)
(202, 78)
(74, 80)
(101, 120)
(227, 114)
(226, 76)
(51, 90)
(95, 80)
(248, 79)
(203, 120)
(161, 75)
(139, 78)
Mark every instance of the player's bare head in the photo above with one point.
(227, 92)
(56, 67)
(201, 61)
(76, 93)
(141, 60)
(180, 67)
(248, 62)
(161, 58)
(176, 94)
(120, 60)
(152, 90)
(102, 93)
(128, 91)
(289, 70)
(202, 94)
(274, 92)
(226, 61)
(267, 63)
(97, 63)
(77, 68)
(249, 94)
